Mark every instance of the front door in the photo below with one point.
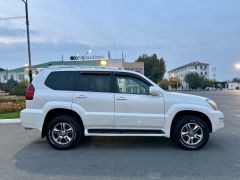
(135, 108)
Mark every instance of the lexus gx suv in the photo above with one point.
(67, 103)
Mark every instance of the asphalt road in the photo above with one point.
(23, 155)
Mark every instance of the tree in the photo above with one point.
(2, 86)
(193, 79)
(154, 68)
(174, 82)
(10, 84)
(164, 84)
(236, 80)
(206, 82)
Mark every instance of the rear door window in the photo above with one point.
(95, 82)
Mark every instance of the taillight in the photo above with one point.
(30, 92)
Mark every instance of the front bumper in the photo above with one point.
(217, 120)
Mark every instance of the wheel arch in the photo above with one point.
(57, 112)
(193, 113)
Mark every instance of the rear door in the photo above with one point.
(94, 93)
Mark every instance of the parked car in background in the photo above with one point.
(66, 104)
(210, 89)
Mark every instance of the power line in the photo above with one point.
(10, 18)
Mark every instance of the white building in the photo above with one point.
(180, 72)
(18, 74)
(233, 85)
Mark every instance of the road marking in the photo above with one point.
(10, 121)
(236, 115)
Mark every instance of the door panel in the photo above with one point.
(138, 111)
(94, 93)
(99, 108)
(134, 107)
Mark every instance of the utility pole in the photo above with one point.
(214, 73)
(109, 55)
(28, 41)
(122, 57)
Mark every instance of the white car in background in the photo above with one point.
(210, 89)
(67, 103)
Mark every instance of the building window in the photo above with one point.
(200, 67)
(4, 77)
(205, 67)
(11, 76)
(205, 73)
(195, 67)
(21, 77)
(201, 72)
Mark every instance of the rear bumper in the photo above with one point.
(217, 120)
(32, 118)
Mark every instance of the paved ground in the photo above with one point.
(23, 155)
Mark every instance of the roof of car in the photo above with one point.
(88, 68)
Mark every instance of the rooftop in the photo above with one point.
(58, 63)
(196, 63)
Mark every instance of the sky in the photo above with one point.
(179, 31)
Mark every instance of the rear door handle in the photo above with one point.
(121, 99)
(81, 96)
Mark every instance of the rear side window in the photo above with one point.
(62, 80)
(95, 83)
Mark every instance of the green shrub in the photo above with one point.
(2, 86)
(10, 84)
(19, 90)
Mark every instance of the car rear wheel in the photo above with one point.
(64, 132)
(191, 133)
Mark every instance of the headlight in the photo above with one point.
(212, 104)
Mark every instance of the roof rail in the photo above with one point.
(81, 67)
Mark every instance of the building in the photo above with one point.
(21, 74)
(132, 66)
(221, 85)
(233, 86)
(180, 72)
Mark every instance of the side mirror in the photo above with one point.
(154, 91)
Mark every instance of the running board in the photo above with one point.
(124, 131)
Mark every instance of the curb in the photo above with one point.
(10, 121)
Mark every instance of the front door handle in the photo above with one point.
(121, 99)
(81, 96)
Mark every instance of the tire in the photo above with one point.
(64, 132)
(190, 133)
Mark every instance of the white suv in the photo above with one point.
(67, 103)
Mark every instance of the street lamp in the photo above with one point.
(88, 52)
(237, 66)
(28, 41)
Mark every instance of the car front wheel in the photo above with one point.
(191, 133)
